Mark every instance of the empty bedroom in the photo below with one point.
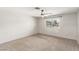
(39, 29)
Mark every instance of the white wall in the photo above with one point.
(67, 27)
(15, 24)
(78, 26)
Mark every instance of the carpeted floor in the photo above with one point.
(40, 43)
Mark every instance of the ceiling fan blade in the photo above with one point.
(48, 14)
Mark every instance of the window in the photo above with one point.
(53, 22)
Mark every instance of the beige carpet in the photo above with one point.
(40, 43)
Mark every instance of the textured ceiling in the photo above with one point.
(53, 10)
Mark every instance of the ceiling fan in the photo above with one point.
(43, 12)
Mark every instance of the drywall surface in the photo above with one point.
(78, 26)
(67, 28)
(15, 24)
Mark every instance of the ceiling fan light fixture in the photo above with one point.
(42, 12)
